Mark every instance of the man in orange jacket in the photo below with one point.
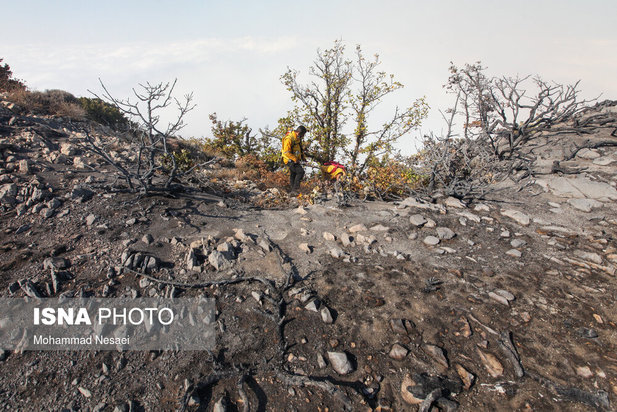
(293, 156)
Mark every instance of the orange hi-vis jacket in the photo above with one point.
(292, 148)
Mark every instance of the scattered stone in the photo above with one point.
(313, 305)
(518, 216)
(131, 222)
(504, 234)
(24, 167)
(218, 260)
(584, 372)
(265, 245)
(56, 263)
(454, 203)
(467, 377)
(380, 228)
(481, 207)
(526, 317)
(336, 253)
(301, 210)
(326, 315)
(589, 256)
(604, 161)
(345, 239)
(430, 223)
(340, 363)
(469, 216)
(398, 352)
(588, 154)
(516, 243)
(243, 237)
(222, 405)
(585, 205)
(497, 297)
(598, 318)
(419, 204)
(431, 240)
(90, 219)
(305, 248)
(402, 326)
(437, 353)
(445, 233)
(85, 392)
(509, 296)
(329, 236)
(357, 228)
(321, 361)
(491, 363)
(514, 253)
(29, 289)
(147, 239)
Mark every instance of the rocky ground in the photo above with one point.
(503, 303)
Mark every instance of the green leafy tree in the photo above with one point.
(321, 104)
(371, 87)
(343, 91)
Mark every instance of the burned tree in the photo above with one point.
(507, 112)
(148, 141)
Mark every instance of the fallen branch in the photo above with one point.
(508, 349)
(598, 400)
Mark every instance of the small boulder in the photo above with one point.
(340, 363)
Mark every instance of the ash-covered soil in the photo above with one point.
(504, 303)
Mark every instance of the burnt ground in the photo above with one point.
(543, 286)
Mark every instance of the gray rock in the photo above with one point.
(321, 362)
(499, 298)
(585, 205)
(218, 260)
(336, 252)
(305, 248)
(24, 167)
(412, 202)
(454, 203)
(345, 239)
(340, 363)
(56, 263)
(147, 239)
(509, 296)
(29, 289)
(431, 240)
(469, 216)
(589, 256)
(326, 315)
(357, 228)
(514, 253)
(579, 187)
(437, 353)
(313, 305)
(90, 219)
(516, 243)
(417, 220)
(329, 236)
(398, 352)
(445, 233)
(380, 228)
(516, 215)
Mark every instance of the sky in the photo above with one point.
(231, 54)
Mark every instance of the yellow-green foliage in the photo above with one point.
(102, 112)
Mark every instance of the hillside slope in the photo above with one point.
(501, 304)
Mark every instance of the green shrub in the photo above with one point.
(102, 112)
(7, 82)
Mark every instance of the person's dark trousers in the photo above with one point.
(296, 173)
